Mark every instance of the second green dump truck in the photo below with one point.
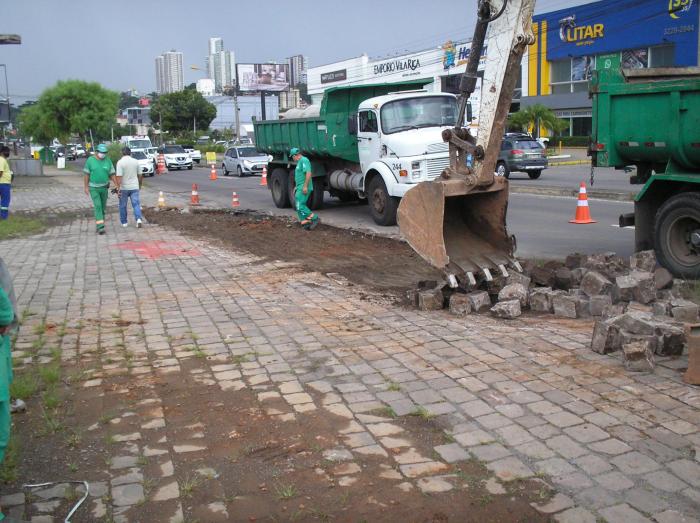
(650, 118)
(367, 142)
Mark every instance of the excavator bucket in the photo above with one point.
(464, 235)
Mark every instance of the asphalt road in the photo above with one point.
(571, 176)
(540, 223)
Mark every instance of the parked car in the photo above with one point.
(146, 165)
(521, 152)
(203, 140)
(243, 160)
(175, 157)
(195, 154)
(70, 152)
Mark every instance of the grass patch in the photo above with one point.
(387, 412)
(8, 468)
(24, 386)
(286, 491)
(421, 412)
(18, 226)
(51, 399)
(50, 374)
(190, 484)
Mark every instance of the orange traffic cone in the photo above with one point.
(161, 164)
(234, 200)
(583, 213)
(194, 199)
(161, 200)
(212, 175)
(263, 180)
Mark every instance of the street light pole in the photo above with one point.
(7, 92)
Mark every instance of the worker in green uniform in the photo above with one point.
(304, 186)
(7, 318)
(98, 172)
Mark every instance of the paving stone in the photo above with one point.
(660, 480)
(474, 437)
(166, 492)
(623, 514)
(563, 419)
(371, 450)
(410, 456)
(687, 471)
(614, 481)
(434, 485)
(122, 462)
(452, 453)
(359, 439)
(493, 486)
(298, 398)
(554, 467)
(514, 435)
(592, 464)
(509, 469)
(586, 433)
(558, 503)
(597, 497)
(610, 446)
(127, 495)
(535, 450)
(636, 463)
(565, 446)
(384, 429)
(673, 516)
(493, 421)
(575, 515)
(489, 452)
(415, 470)
(573, 482)
(644, 501)
(338, 454)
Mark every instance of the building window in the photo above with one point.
(661, 56)
(581, 126)
(571, 75)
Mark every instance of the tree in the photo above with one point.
(182, 111)
(536, 116)
(127, 100)
(71, 107)
(191, 87)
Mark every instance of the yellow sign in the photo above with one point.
(675, 7)
(584, 32)
(211, 157)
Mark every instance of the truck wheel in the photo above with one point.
(317, 193)
(677, 235)
(382, 206)
(502, 169)
(278, 188)
(534, 174)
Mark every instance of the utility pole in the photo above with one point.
(262, 106)
(236, 114)
(194, 124)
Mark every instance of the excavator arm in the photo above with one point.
(458, 221)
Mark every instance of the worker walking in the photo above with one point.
(8, 321)
(129, 181)
(304, 186)
(98, 172)
(5, 183)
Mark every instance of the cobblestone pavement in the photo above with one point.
(526, 397)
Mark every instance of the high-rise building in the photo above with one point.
(169, 73)
(298, 65)
(221, 65)
(290, 99)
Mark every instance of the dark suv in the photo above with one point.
(521, 152)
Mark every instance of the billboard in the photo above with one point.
(263, 77)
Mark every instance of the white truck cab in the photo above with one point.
(399, 141)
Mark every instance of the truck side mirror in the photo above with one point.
(352, 124)
(470, 115)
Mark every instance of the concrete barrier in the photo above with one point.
(26, 167)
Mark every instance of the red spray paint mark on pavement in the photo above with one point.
(156, 249)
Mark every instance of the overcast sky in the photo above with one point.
(115, 43)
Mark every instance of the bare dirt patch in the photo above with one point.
(380, 263)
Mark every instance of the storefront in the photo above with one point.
(444, 64)
(646, 33)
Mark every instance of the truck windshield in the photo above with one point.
(139, 144)
(414, 113)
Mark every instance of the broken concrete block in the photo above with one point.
(670, 334)
(662, 278)
(514, 291)
(606, 337)
(507, 309)
(479, 300)
(638, 355)
(636, 285)
(518, 277)
(576, 260)
(608, 264)
(563, 279)
(680, 288)
(565, 306)
(594, 284)
(644, 261)
(661, 308)
(541, 299)
(578, 274)
(459, 304)
(430, 300)
(636, 322)
(542, 276)
(614, 310)
(598, 304)
(684, 310)
(671, 339)
(636, 306)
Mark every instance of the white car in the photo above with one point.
(146, 164)
(176, 157)
(244, 160)
(195, 154)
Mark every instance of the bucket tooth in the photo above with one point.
(487, 274)
(452, 281)
(516, 265)
(503, 270)
(470, 277)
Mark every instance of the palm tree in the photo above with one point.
(537, 116)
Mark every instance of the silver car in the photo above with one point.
(243, 160)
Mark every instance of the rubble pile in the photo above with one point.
(639, 309)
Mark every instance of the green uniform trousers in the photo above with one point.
(99, 202)
(300, 198)
(5, 381)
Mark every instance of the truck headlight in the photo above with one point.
(415, 170)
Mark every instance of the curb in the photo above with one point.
(569, 162)
(616, 196)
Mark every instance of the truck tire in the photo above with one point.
(534, 174)
(278, 188)
(677, 235)
(382, 206)
(502, 170)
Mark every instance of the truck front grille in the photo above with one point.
(436, 166)
(437, 148)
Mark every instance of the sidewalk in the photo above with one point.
(172, 345)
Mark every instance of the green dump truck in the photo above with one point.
(650, 118)
(367, 142)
